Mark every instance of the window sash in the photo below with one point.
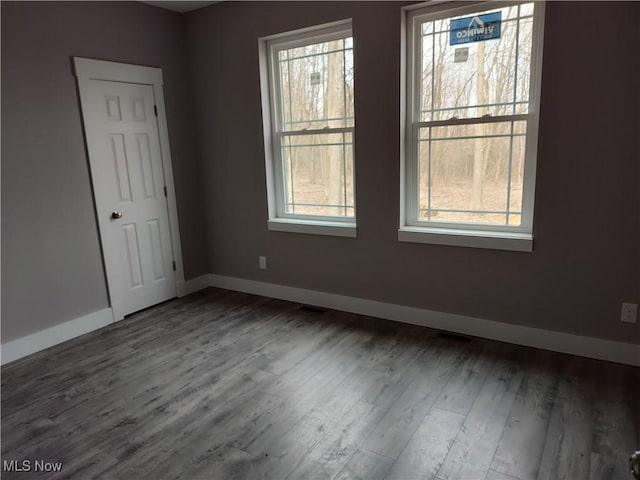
(507, 212)
(340, 32)
(442, 13)
(283, 189)
(473, 120)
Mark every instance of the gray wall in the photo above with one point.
(587, 245)
(587, 256)
(51, 263)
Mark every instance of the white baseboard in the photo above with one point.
(23, 346)
(579, 345)
(619, 352)
(190, 286)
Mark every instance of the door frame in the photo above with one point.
(86, 70)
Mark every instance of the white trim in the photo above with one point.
(319, 131)
(459, 234)
(191, 286)
(87, 69)
(92, 69)
(23, 346)
(336, 229)
(451, 122)
(579, 345)
(533, 126)
(517, 242)
(268, 48)
(306, 35)
(35, 342)
(590, 347)
(167, 167)
(265, 98)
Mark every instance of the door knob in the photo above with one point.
(116, 215)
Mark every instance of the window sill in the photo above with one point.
(336, 229)
(518, 242)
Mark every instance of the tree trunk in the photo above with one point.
(480, 144)
(334, 103)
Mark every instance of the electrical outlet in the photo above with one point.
(629, 313)
(263, 262)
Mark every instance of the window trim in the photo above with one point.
(278, 218)
(502, 237)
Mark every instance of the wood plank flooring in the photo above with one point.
(226, 385)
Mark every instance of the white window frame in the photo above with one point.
(279, 219)
(500, 237)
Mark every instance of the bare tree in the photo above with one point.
(480, 143)
(334, 108)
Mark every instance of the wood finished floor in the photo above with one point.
(227, 385)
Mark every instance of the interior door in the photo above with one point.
(128, 180)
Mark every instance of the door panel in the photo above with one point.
(133, 254)
(122, 166)
(156, 249)
(146, 166)
(128, 178)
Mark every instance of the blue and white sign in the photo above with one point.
(475, 29)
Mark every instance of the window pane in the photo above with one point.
(318, 174)
(477, 78)
(526, 9)
(517, 174)
(471, 173)
(316, 85)
(525, 40)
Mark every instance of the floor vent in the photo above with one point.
(454, 336)
(309, 308)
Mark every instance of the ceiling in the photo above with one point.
(180, 5)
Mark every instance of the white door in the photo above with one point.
(130, 192)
